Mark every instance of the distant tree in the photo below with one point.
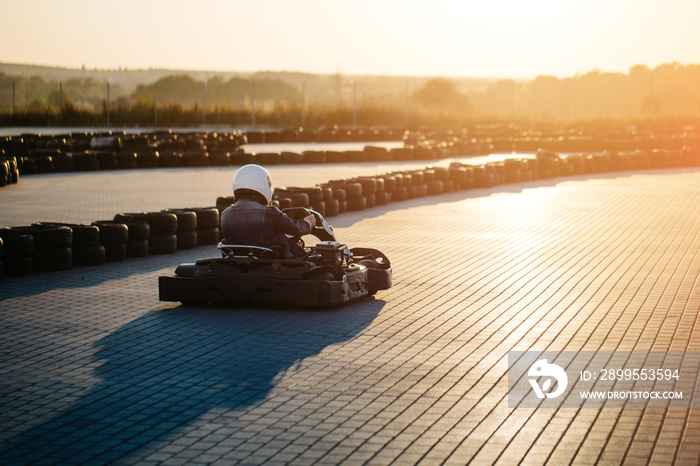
(438, 92)
(177, 88)
(38, 103)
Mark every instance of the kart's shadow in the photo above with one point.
(164, 370)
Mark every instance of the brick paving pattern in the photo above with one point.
(94, 369)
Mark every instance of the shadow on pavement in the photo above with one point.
(164, 370)
(83, 277)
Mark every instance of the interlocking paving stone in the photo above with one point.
(95, 369)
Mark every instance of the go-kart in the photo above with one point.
(328, 273)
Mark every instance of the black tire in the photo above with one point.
(83, 235)
(196, 159)
(170, 160)
(44, 164)
(298, 199)
(319, 207)
(371, 200)
(314, 156)
(335, 157)
(137, 248)
(16, 266)
(292, 158)
(207, 217)
(383, 198)
(352, 190)
(147, 160)
(16, 244)
(139, 229)
(107, 161)
(268, 158)
(162, 244)
(160, 223)
(356, 204)
(342, 207)
(400, 194)
(435, 187)
(126, 160)
(442, 173)
(219, 159)
(327, 193)
(89, 255)
(284, 203)
(419, 190)
(186, 219)
(332, 208)
(315, 194)
(115, 252)
(85, 162)
(53, 259)
(210, 236)
(28, 166)
(64, 163)
(484, 181)
(111, 232)
(339, 193)
(49, 235)
(187, 239)
(389, 183)
(369, 186)
(354, 156)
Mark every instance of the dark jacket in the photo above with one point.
(248, 222)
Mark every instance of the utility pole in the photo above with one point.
(155, 102)
(253, 103)
(204, 105)
(354, 105)
(108, 104)
(405, 106)
(303, 104)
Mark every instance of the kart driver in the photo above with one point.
(252, 221)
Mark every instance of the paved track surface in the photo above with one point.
(94, 369)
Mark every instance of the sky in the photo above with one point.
(518, 39)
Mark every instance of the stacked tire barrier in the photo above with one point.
(113, 236)
(360, 193)
(31, 154)
(9, 174)
(18, 252)
(208, 224)
(51, 247)
(87, 249)
(186, 232)
(45, 247)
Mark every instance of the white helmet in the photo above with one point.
(253, 178)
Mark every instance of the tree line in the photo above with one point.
(667, 91)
